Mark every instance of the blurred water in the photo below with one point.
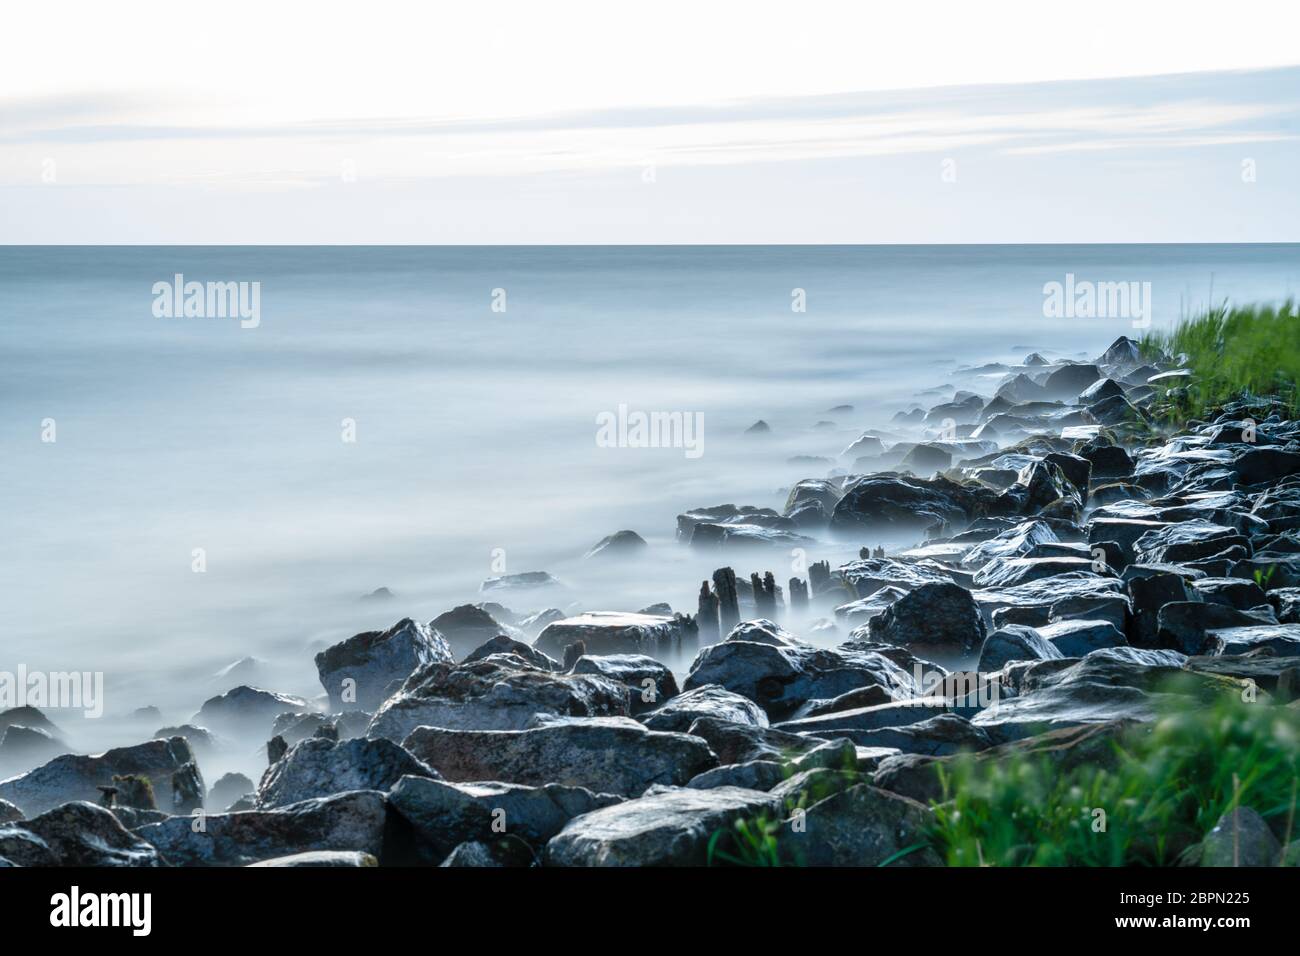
(475, 429)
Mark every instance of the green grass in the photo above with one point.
(1167, 787)
(1231, 349)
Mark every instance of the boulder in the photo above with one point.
(247, 711)
(863, 826)
(229, 788)
(1077, 638)
(1240, 838)
(501, 692)
(604, 755)
(753, 775)
(77, 833)
(332, 859)
(1233, 592)
(364, 670)
(666, 828)
(506, 851)
(744, 743)
(709, 700)
(609, 632)
(936, 621)
(352, 821)
(619, 545)
(501, 644)
(1015, 643)
(1283, 640)
(444, 814)
(1068, 381)
(466, 629)
(523, 581)
(1185, 625)
(79, 776)
(321, 767)
(648, 682)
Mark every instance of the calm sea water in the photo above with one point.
(475, 429)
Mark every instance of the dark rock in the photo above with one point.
(319, 768)
(77, 833)
(649, 682)
(1240, 838)
(1076, 638)
(1185, 625)
(709, 700)
(229, 788)
(524, 581)
(507, 851)
(1148, 595)
(934, 621)
(1015, 643)
(864, 826)
(247, 711)
(501, 644)
(609, 632)
(332, 859)
(465, 629)
(620, 544)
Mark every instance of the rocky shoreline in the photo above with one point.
(1077, 569)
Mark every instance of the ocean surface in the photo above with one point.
(475, 429)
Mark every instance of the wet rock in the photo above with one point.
(936, 736)
(649, 683)
(352, 821)
(1015, 643)
(507, 851)
(1002, 573)
(609, 632)
(604, 755)
(1286, 602)
(9, 812)
(1015, 542)
(936, 621)
(1282, 639)
(871, 575)
(1148, 595)
(1068, 381)
(755, 775)
(1108, 461)
(465, 629)
(500, 692)
(901, 504)
(667, 828)
(247, 711)
(24, 747)
(1076, 638)
(445, 815)
(1113, 608)
(709, 700)
(744, 743)
(333, 859)
(1233, 592)
(319, 768)
(864, 826)
(524, 581)
(78, 776)
(733, 537)
(1186, 541)
(201, 740)
(1185, 625)
(77, 833)
(781, 677)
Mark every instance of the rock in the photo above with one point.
(1015, 643)
(609, 632)
(709, 700)
(780, 678)
(346, 821)
(1069, 380)
(744, 743)
(229, 788)
(1186, 541)
(1266, 465)
(926, 460)
(1240, 838)
(201, 740)
(1286, 601)
(1233, 592)
(1116, 410)
(445, 815)
(467, 628)
(731, 537)
(247, 711)
(936, 621)
(869, 576)
(667, 828)
(24, 747)
(1185, 625)
(364, 670)
(604, 755)
(78, 776)
(1108, 461)
(501, 644)
(620, 544)
(77, 833)
(754, 775)
(863, 826)
(1077, 638)
(1003, 573)
(943, 734)
(319, 768)
(648, 682)
(898, 504)
(1015, 542)
(524, 581)
(1101, 389)
(1149, 594)
(507, 851)
(1282, 639)
(1113, 608)
(501, 692)
(334, 859)
(9, 812)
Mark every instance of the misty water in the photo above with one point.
(475, 429)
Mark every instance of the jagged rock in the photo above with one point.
(1015, 643)
(604, 755)
(1113, 608)
(1185, 625)
(709, 700)
(781, 677)
(864, 826)
(9, 812)
(1278, 676)
(319, 768)
(1077, 638)
(1286, 601)
(24, 747)
(466, 628)
(939, 735)
(1148, 595)
(755, 775)
(649, 683)
(1186, 541)
(501, 644)
(1108, 461)
(501, 692)
(926, 459)
(247, 711)
(346, 821)
(1069, 380)
(77, 833)
(1282, 639)
(1015, 542)
(333, 859)
(1003, 573)
(934, 621)
(666, 828)
(229, 788)
(871, 575)
(620, 544)
(731, 537)
(364, 670)
(743, 743)
(901, 504)
(1240, 838)
(201, 740)
(445, 814)
(1234, 592)
(610, 632)
(79, 776)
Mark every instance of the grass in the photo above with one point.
(1231, 349)
(1166, 789)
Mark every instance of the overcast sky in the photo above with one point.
(663, 122)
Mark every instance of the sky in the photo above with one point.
(569, 122)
